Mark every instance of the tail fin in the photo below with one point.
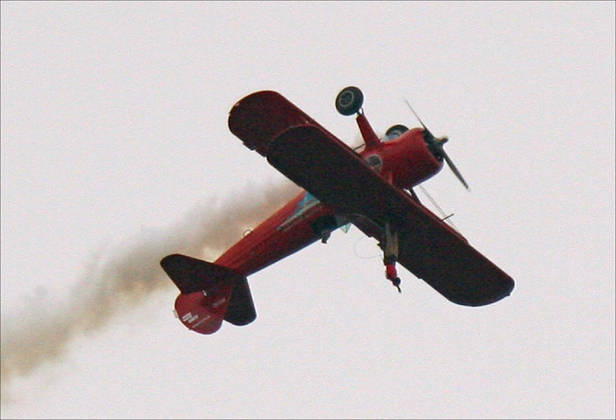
(227, 294)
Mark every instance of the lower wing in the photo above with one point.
(429, 248)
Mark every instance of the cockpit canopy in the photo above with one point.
(395, 131)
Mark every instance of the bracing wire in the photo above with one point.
(445, 217)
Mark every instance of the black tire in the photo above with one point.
(396, 131)
(349, 100)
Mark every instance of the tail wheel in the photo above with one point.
(349, 100)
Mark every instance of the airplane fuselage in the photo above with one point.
(296, 225)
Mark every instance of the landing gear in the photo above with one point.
(390, 251)
(349, 100)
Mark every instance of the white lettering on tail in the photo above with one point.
(202, 321)
(190, 318)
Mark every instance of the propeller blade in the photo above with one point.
(454, 169)
(416, 116)
(437, 145)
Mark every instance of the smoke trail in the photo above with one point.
(129, 276)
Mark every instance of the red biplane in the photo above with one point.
(371, 189)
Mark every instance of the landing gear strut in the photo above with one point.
(390, 256)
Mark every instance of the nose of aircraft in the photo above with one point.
(436, 147)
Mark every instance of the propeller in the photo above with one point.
(435, 144)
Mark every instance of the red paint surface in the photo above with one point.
(268, 243)
(200, 313)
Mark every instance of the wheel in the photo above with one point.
(349, 100)
(396, 131)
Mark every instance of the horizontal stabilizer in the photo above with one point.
(193, 275)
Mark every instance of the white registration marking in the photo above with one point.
(202, 321)
(190, 318)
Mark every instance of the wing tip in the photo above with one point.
(486, 299)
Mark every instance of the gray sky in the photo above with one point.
(115, 149)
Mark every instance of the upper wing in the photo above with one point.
(429, 248)
(258, 118)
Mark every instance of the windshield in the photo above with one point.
(395, 132)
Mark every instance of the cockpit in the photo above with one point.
(394, 132)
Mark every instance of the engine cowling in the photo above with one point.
(407, 158)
